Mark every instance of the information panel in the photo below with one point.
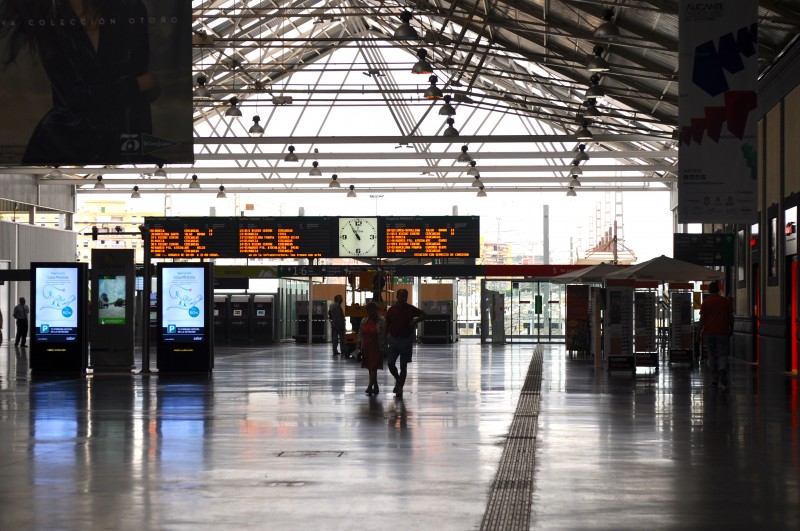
(429, 236)
(189, 237)
(232, 237)
(300, 237)
(704, 249)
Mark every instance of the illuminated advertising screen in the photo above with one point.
(183, 300)
(111, 300)
(56, 304)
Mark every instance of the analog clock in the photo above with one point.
(358, 237)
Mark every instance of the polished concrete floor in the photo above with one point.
(284, 437)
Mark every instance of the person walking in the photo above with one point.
(21, 312)
(336, 315)
(716, 316)
(371, 342)
(401, 320)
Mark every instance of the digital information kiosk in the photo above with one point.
(111, 322)
(58, 314)
(185, 317)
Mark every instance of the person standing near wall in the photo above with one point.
(401, 320)
(378, 283)
(21, 312)
(337, 325)
(716, 316)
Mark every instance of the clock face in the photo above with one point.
(358, 237)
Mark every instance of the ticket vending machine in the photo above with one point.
(221, 317)
(185, 317)
(320, 322)
(59, 307)
(239, 321)
(438, 324)
(262, 331)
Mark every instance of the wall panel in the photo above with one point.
(792, 139)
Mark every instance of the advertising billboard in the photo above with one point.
(59, 338)
(109, 83)
(184, 295)
(56, 299)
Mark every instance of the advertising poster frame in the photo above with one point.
(185, 317)
(59, 304)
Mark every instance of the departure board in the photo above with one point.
(301, 237)
(240, 237)
(429, 236)
(192, 237)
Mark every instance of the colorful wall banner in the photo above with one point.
(111, 85)
(717, 111)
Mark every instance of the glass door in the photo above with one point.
(532, 310)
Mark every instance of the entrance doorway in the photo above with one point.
(532, 311)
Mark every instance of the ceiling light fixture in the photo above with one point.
(450, 131)
(575, 182)
(472, 169)
(256, 129)
(160, 171)
(592, 112)
(582, 156)
(334, 183)
(447, 109)
(315, 170)
(291, 157)
(136, 194)
(194, 185)
(233, 110)
(99, 184)
(595, 91)
(481, 191)
(607, 31)
(404, 31)
(464, 156)
(422, 66)
(201, 91)
(584, 133)
(55, 173)
(571, 192)
(477, 182)
(575, 170)
(433, 92)
(597, 63)
(221, 194)
(352, 192)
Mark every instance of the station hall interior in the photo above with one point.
(536, 139)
